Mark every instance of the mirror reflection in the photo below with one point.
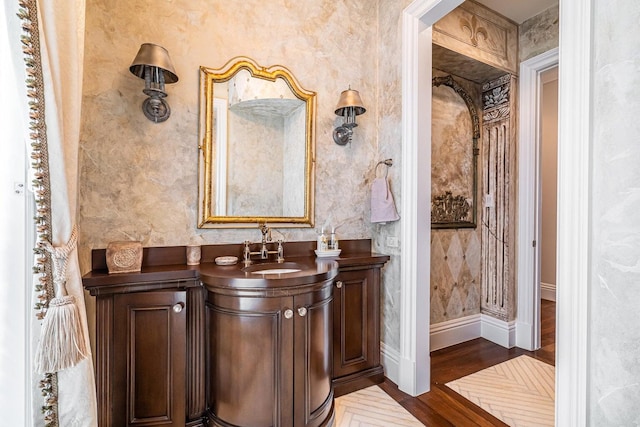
(257, 147)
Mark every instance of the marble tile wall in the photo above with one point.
(613, 389)
(139, 179)
(456, 257)
(455, 253)
(455, 274)
(539, 34)
(499, 134)
(255, 162)
(389, 126)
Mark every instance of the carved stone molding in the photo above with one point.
(458, 211)
(449, 81)
(495, 99)
(498, 220)
(474, 29)
(479, 33)
(449, 208)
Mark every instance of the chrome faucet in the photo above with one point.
(264, 251)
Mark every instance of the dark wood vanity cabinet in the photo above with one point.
(149, 351)
(269, 357)
(149, 358)
(197, 346)
(356, 325)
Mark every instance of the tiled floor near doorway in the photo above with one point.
(442, 406)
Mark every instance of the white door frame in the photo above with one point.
(415, 364)
(528, 255)
(17, 230)
(574, 188)
(574, 137)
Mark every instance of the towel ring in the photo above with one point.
(388, 163)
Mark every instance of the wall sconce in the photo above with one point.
(152, 64)
(349, 106)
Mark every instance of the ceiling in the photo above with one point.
(518, 10)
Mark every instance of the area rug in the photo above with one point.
(520, 391)
(371, 407)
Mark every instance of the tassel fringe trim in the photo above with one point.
(28, 14)
(62, 343)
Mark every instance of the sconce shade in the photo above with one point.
(349, 106)
(152, 64)
(350, 98)
(154, 56)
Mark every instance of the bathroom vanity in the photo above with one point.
(200, 345)
(269, 343)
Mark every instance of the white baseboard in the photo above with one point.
(452, 332)
(456, 331)
(390, 359)
(548, 291)
(524, 336)
(498, 331)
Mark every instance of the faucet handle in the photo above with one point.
(247, 252)
(280, 251)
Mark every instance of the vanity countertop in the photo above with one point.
(165, 267)
(309, 270)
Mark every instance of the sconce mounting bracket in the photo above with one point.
(342, 135)
(156, 109)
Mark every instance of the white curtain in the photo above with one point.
(16, 253)
(61, 35)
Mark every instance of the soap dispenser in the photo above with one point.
(322, 241)
(333, 240)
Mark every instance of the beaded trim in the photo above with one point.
(44, 288)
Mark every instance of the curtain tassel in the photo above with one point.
(62, 342)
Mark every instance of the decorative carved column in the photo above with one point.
(499, 183)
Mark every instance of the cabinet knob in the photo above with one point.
(302, 311)
(339, 284)
(288, 313)
(177, 308)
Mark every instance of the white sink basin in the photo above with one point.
(276, 271)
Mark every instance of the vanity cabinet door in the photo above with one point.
(149, 359)
(250, 362)
(269, 359)
(313, 394)
(356, 330)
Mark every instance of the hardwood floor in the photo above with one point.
(442, 406)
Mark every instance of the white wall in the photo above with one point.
(549, 181)
(614, 277)
(15, 278)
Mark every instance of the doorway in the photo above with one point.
(529, 212)
(548, 181)
(576, 37)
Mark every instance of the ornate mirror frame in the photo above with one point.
(447, 208)
(208, 77)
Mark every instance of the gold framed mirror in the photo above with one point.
(257, 147)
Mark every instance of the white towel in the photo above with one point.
(383, 208)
